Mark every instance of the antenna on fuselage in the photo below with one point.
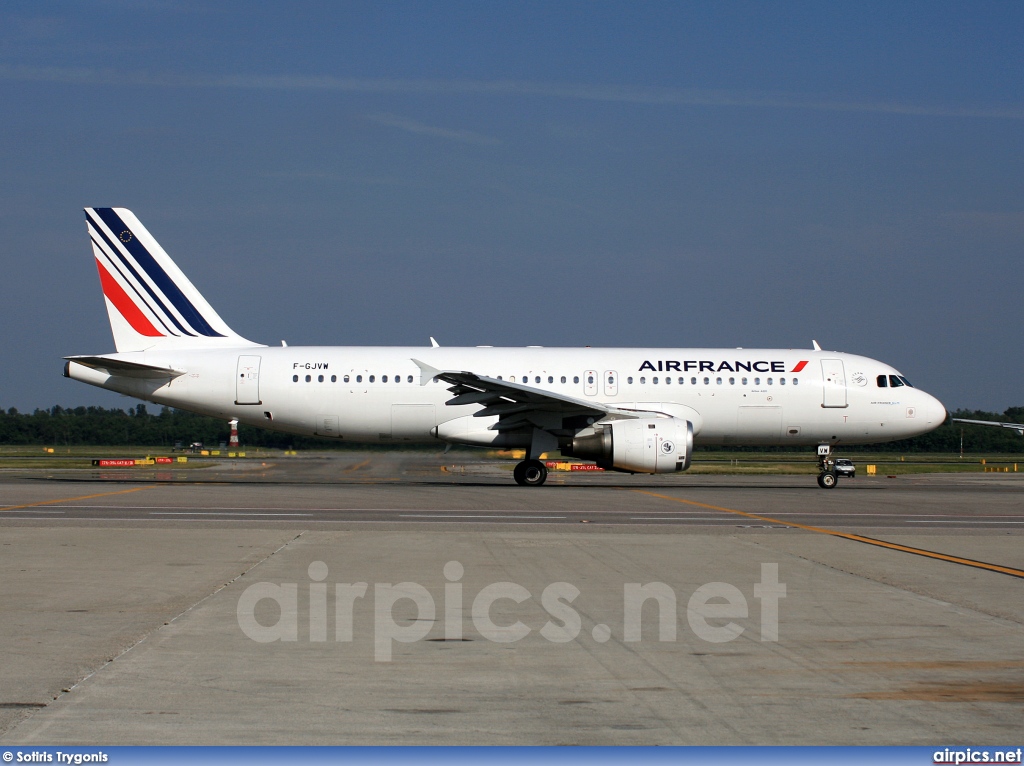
(816, 346)
(434, 343)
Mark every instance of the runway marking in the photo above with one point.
(849, 536)
(222, 513)
(73, 499)
(936, 521)
(463, 516)
(680, 518)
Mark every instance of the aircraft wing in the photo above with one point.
(123, 368)
(1018, 427)
(519, 406)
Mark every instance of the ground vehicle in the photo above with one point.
(845, 467)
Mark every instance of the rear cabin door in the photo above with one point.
(247, 380)
(833, 382)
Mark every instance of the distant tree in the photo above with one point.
(60, 426)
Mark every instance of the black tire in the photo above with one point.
(827, 480)
(530, 473)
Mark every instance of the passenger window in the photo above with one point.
(526, 379)
(795, 381)
(408, 379)
(319, 378)
(383, 379)
(757, 381)
(769, 381)
(398, 379)
(643, 381)
(308, 378)
(668, 381)
(575, 378)
(346, 379)
(655, 380)
(895, 382)
(359, 378)
(743, 381)
(371, 378)
(563, 379)
(782, 381)
(536, 379)
(693, 381)
(682, 380)
(551, 379)
(630, 380)
(881, 381)
(707, 381)
(334, 379)
(590, 379)
(732, 381)
(500, 378)
(718, 381)
(295, 378)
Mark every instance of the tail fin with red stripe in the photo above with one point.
(150, 302)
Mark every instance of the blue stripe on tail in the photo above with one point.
(145, 285)
(143, 257)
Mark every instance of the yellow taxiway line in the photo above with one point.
(849, 536)
(72, 499)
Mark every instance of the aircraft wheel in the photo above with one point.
(827, 480)
(530, 473)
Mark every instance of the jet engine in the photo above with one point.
(642, 445)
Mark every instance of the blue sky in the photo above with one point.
(655, 174)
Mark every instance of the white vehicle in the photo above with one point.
(636, 410)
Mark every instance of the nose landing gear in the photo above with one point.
(827, 478)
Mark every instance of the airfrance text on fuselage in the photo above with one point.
(703, 365)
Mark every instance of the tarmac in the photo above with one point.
(222, 606)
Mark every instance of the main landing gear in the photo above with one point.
(530, 473)
(827, 478)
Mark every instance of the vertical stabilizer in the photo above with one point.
(150, 302)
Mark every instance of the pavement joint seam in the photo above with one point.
(169, 622)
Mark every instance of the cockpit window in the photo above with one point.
(882, 383)
(906, 382)
(894, 381)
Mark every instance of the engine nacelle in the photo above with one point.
(643, 445)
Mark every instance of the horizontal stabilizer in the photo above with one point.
(125, 369)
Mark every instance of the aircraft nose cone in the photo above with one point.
(934, 410)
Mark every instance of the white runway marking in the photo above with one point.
(915, 521)
(465, 516)
(222, 513)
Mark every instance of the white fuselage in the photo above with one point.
(374, 394)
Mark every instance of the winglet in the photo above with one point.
(427, 373)
(434, 343)
(816, 346)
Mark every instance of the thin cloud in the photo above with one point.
(625, 94)
(411, 126)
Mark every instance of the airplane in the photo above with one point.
(632, 410)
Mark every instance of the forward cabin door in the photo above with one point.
(833, 382)
(247, 380)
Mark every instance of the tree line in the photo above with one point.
(137, 427)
